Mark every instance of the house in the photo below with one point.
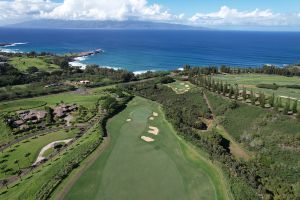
(62, 110)
(53, 85)
(34, 116)
(37, 115)
(84, 82)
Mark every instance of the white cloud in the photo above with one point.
(12, 11)
(232, 17)
(108, 10)
(19, 10)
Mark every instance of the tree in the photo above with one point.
(236, 92)
(287, 107)
(17, 163)
(3, 168)
(279, 102)
(65, 64)
(32, 70)
(19, 174)
(272, 100)
(221, 87)
(231, 92)
(49, 116)
(262, 100)
(32, 54)
(26, 155)
(298, 114)
(166, 80)
(244, 94)
(295, 106)
(253, 98)
(5, 182)
(186, 67)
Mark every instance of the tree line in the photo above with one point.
(287, 106)
(266, 69)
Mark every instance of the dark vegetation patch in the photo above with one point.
(273, 86)
(274, 137)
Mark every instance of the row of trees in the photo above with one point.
(288, 106)
(266, 69)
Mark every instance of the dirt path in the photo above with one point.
(74, 176)
(235, 148)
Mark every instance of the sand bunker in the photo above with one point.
(155, 114)
(187, 86)
(151, 118)
(153, 130)
(128, 120)
(147, 139)
(181, 83)
(45, 148)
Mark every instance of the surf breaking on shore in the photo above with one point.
(5, 47)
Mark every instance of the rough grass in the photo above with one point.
(272, 137)
(33, 182)
(133, 169)
(33, 146)
(23, 63)
(23, 104)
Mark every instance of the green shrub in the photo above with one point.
(273, 86)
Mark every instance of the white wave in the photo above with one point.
(110, 67)
(10, 50)
(142, 72)
(15, 44)
(82, 58)
(180, 69)
(78, 64)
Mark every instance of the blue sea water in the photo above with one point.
(162, 50)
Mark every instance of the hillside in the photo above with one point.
(107, 25)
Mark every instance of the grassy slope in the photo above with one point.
(264, 133)
(251, 80)
(179, 86)
(158, 170)
(23, 63)
(33, 146)
(32, 183)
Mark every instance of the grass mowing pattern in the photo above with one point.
(133, 169)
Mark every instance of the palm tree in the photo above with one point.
(17, 162)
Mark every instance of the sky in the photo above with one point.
(224, 14)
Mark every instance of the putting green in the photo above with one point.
(131, 168)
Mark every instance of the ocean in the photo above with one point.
(160, 50)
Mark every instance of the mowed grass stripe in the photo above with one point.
(132, 169)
